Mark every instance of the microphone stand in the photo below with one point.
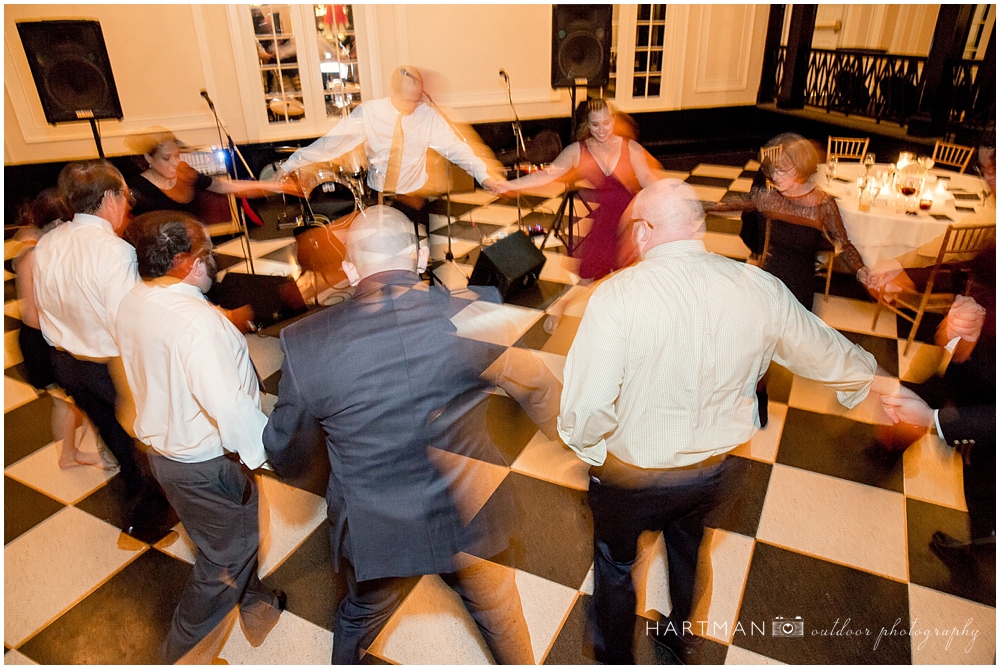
(519, 148)
(231, 170)
(448, 256)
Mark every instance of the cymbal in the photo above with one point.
(290, 107)
(286, 149)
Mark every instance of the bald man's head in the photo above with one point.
(381, 239)
(407, 86)
(667, 211)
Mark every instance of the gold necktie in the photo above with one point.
(395, 158)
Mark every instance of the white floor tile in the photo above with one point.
(265, 353)
(41, 471)
(459, 247)
(723, 565)
(949, 630)
(709, 193)
(741, 185)
(922, 363)
(727, 245)
(54, 565)
(560, 268)
(763, 446)
(475, 197)
(501, 324)
(672, 174)
(12, 308)
(433, 627)
(751, 166)
(267, 267)
(837, 520)
(850, 315)
(471, 482)
(293, 641)
(932, 472)
(554, 462)
(821, 398)
(650, 574)
(493, 214)
(453, 275)
(716, 171)
(287, 517)
(16, 393)
(737, 655)
(180, 546)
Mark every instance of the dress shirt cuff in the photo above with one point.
(937, 426)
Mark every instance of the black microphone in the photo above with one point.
(204, 94)
(504, 75)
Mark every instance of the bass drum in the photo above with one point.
(330, 192)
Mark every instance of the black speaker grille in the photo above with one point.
(69, 63)
(580, 56)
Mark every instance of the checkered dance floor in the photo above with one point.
(829, 528)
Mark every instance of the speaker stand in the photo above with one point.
(97, 137)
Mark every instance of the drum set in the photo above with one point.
(330, 190)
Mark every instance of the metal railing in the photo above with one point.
(877, 85)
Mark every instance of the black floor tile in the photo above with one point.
(23, 508)
(840, 447)
(110, 503)
(779, 383)
(225, 261)
(314, 590)
(844, 284)
(748, 174)
(925, 333)
(122, 622)
(886, 351)
(648, 651)
(742, 515)
(10, 324)
(975, 580)
(714, 182)
(271, 383)
(554, 536)
(26, 429)
(509, 427)
(457, 208)
(468, 232)
(528, 202)
(535, 337)
(9, 290)
(540, 296)
(371, 659)
(571, 646)
(568, 647)
(17, 372)
(721, 224)
(827, 597)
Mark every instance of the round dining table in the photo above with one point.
(886, 231)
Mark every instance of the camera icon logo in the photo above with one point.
(787, 627)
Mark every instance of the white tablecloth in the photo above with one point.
(883, 233)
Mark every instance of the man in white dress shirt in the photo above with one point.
(198, 408)
(659, 386)
(82, 271)
(405, 120)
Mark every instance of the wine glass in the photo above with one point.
(831, 168)
(869, 161)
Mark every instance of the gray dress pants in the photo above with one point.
(216, 501)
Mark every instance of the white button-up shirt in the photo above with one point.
(82, 271)
(664, 367)
(374, 122)
(195, 388)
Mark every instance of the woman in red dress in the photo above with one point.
(615, 167)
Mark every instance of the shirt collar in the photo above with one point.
(679, 247)
(96, 221)
(392, 277)
(176, 285)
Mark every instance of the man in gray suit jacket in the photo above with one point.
(400, 397)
